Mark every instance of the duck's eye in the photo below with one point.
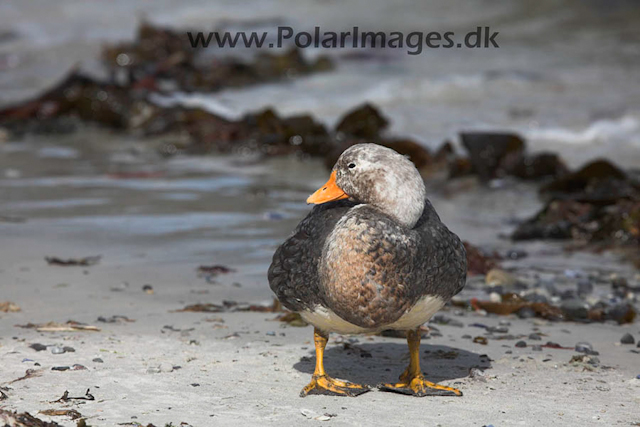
(352, 165)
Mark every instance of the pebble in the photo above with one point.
(521, 344)
(585, 287)
(526, 313)
(441, 319)
(57, 350)
(148, 289)
(271, 333)
(477, 325)
(78, 367)
(498, 329)
(69, 349)
(38, 347)
(627, 339)
(60, 368)
(504, 323)
(98, 360)
(456, 323)
(535, 337)
(468, 337)
(477, 374)
(575, 309)
(497, 277)
(584, 347)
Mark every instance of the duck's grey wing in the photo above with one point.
(293, 274)
(443, 265)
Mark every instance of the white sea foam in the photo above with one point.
(197, 100)
(626, 128)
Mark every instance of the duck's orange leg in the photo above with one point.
(412, 381)
(321, 383)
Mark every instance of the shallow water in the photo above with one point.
(566, 76)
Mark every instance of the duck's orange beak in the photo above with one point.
(328, 192)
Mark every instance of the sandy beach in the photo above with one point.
(154, 365)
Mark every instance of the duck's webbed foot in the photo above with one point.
(324, 384)
(418, 386)
(412, 381)
(321, 383)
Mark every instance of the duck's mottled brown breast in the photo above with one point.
(364, 266)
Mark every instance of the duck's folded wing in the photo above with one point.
(444, 259)
(293, 274)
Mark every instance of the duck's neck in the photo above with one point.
(403, 201)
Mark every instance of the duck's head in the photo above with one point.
(380, 177)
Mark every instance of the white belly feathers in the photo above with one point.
(326, 320)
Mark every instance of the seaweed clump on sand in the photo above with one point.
(596, 207)
(24, 419)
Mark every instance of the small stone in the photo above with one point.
(148, 289)
(497, 277)
(526, 313)
(498, 329)
(97, 360)
(504, 323)
(78, 367)
(575, 308)
(456, 323)
(535, 337)
(585, 287)
(69, 349)
(627, 339)
(468, 337)
(521, 344)
(582, 358)
(60, 368)
(477, 374)
(57, 350)
(271, 333)
(584, 347)
(536, 347)
(38, 347)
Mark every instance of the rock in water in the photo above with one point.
(627, 339)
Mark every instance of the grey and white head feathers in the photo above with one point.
(379, 176)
